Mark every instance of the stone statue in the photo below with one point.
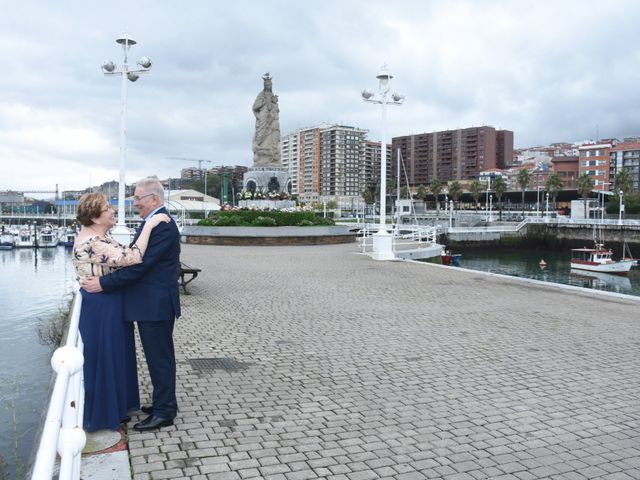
(266, 142)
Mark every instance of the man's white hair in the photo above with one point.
(152, 185)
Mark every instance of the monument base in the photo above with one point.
(267, 204)
(270, 178)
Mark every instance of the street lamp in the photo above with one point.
(490, 207)
(621, 210)
(120, 231)
(382, 240)
(451, 214)
(546, 214)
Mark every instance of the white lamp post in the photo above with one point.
(491, 207)
(538, 201)
(546, 213)
(621, 210)
(451, 214)
(120, 232)
(382, 240)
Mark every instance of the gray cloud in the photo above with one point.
(549, 71)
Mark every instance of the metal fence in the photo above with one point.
(62, 432)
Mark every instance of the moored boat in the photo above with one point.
(67, 236)
(599, 259)
(47, 237)
(25, 238)
(7, 241)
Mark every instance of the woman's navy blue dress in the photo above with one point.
(110, 376)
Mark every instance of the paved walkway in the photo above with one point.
(338, 366)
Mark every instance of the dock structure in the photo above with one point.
(317, 362)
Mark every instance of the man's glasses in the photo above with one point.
(137, 198)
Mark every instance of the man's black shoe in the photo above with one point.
(126, 419)
(152, 423)
(147, 410)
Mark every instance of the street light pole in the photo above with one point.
(547, 209)
(120, 231)
(621, 210)
(490, 207)
(382, 240)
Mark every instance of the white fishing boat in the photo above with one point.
(47, 237)
(25, 238)
(599, 259)
(67, 236)
(7, 241)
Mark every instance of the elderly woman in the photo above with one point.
(110, 377)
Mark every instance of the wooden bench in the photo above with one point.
(183, 275)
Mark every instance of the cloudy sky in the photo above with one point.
(550, 71)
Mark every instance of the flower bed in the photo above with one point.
(264, 218)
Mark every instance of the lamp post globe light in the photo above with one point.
(120, 231)
(382, 239)
(621, 210)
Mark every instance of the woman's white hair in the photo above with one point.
(152, 185)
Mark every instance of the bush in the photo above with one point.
(264, 222)
(266, 218)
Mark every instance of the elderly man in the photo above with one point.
(151, 298)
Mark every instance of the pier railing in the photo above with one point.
(62, 432)
(403, 236)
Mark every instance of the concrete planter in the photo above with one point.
(313, 235)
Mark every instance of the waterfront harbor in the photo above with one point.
(337, 366)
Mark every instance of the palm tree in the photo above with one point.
(499, 187)
(584, 188)
(455, 190)
(436, 187)
(523, 179)
(623, 181)
(422, 193)
(554, 186)
(475, 188)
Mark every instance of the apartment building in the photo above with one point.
(626, 155)
(326, 160)
(453, 154)
(594, 160)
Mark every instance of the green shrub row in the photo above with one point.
(257, 218)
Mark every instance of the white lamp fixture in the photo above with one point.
(382, 239)
(120, 231)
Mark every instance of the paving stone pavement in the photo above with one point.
(349, 368)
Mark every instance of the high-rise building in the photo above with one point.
(626, 155)
(594, 160)
(326, 160)
(453, 154)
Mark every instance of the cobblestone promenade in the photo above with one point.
(331, 365)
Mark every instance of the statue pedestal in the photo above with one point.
(267, 204)
(269, 178)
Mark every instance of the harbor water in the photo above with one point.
(526, 263)
(35, 288)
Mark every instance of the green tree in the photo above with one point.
(623, 181)
(554, 186)
(436, 187)
(455, 190)
(523, 179)
(584, 188)
(499, 188)
(405, 192)
(367, 195)
(475, 188)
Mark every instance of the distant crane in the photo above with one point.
(199, 160)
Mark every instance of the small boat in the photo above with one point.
(67, 236)
(47, 238)
(25, 239)
(7, 241)
(599, 259)
(449, 258)
(626, 254)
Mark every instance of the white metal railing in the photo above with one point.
(62, 432)
(403, 235)
(544, 220)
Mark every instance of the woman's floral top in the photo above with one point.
(98, 256)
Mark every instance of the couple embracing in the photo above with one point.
(122, 284)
